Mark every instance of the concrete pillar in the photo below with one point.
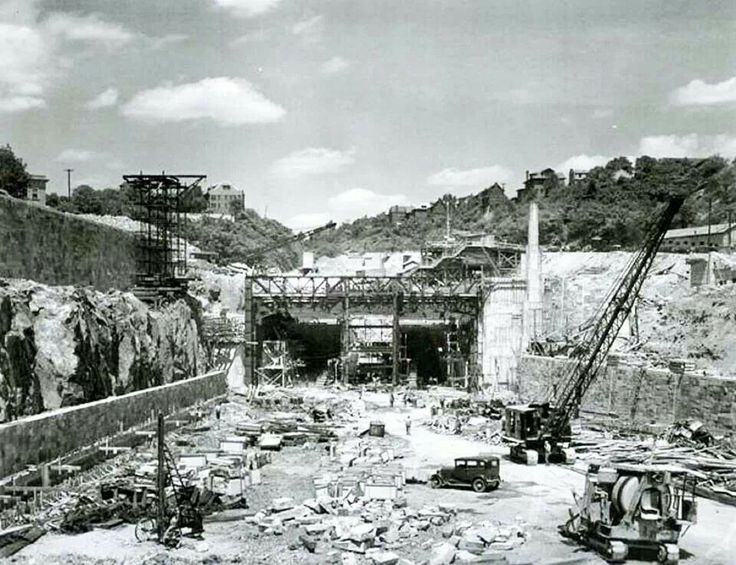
(345, 340)
(533, 275)
(250, 350)
(396, 338)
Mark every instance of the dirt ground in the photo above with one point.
(535, 497)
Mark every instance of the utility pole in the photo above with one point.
(69, 182)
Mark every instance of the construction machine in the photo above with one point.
(638, 511)
(540, 431)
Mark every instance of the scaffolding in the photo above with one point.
(162, 252)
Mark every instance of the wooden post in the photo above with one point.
(161, 483)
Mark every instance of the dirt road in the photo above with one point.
(536, 497)
(540, 496)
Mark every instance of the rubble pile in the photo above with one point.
(684, 444)
(381, 530)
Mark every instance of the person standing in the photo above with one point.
(407, 423)
(391, 398)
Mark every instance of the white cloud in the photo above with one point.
(25, 66)
(475, 178)
(88, 29)
(359, 202)
(312, 161)
(334, 65)
(582, 163)
(309, 220)
(104, 99)
(700, 93)
(247, 8)
(166, 40)
(310, 30)
(349, 205)
(75, 156)
(12, 104)
(224, 100)
(691, 145)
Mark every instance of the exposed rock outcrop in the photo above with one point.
(61, 346)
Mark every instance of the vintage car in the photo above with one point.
(480, 472)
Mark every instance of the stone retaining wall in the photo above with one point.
(48, 246)
(44, 437)
(639, 396)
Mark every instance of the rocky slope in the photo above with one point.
(674, 319)
(61, 346)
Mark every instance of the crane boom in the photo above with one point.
(278, 244)
(607, 326)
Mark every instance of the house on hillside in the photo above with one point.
(539, 184)
(397, 214)
(420, 212)
(576, 176)
(36, 191)
(715, 236)
(224, 199)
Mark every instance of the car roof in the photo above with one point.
(478, 458)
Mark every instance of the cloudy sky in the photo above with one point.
(338, 108)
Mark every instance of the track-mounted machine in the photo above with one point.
(539, 431)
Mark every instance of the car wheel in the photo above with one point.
(479, 485)
(493, 485)
(435, 482)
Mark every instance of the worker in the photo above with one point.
(391, 398)
(407, 423)
(547, 451)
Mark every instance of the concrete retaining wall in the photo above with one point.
(49, 435)
(639, 396)
(51, 247)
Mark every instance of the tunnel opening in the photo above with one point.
(432, 357)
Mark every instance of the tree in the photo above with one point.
(235, 208)
(194, 201)
(14, 178)
(86, 200)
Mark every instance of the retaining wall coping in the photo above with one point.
(108, 400)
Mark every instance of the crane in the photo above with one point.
(255, 256)
(539, 427)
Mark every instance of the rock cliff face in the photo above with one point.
(61, 346)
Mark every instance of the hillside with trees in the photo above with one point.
(609, 209)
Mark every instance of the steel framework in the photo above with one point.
(162, 253)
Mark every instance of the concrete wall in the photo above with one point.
(501, 331)
(51, 247)
(49, 435)
(642, 397)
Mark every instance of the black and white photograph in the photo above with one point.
(367, 282)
